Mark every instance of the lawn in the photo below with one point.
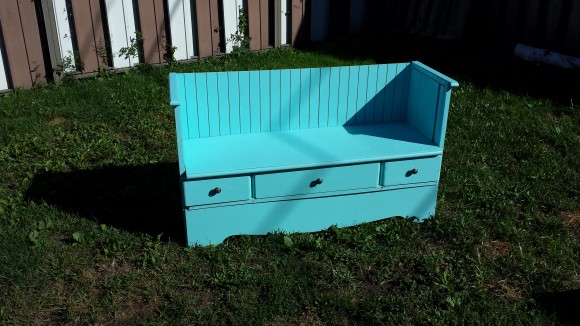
(91, 231)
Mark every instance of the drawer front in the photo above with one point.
(317, 180)
(213, 191)
(411, 171)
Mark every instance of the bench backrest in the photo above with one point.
(225, 103)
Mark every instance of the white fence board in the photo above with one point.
(231, 17)
(183, 30)
(65, 43)
(284, 22)
(3, 77)
(121, 19)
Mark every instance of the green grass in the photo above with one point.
(88, 182)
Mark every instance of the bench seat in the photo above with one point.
(302, 149)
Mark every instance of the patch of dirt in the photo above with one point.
(307, 318)
(506, 290)
(56, 121)
(572, 222)
(496, 248)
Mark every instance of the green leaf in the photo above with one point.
(288, 241)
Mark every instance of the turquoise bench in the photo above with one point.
(300, 150)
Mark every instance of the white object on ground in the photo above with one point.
(529, 53)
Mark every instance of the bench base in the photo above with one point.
(211, 225)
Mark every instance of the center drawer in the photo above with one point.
(317, 180)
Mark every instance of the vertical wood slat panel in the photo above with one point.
(389, 93)
(3, 72)
(324, 97)
(89, 34)
(208, 26)
(352, 94)
(152, 21)
(275, 100)
(254, 28)
(258, 24)
(314, 95)
(244, 86)
(264, 24)
(381, 89)
(234, 102)
(255, 109)
(265, 107)
(231, 9)
(295, 99)
(357, 16)
(297, 16)
(371, 94)
(399, 102)
(31, 33)
(285, 22)
(553, 15)
(304, 102)
(213, 104)
(216, 25)
(573, 33)
(121, 22)
(343, 84)
(22, 43)
(183, 26)
(319, 20)
(531, 19)
(333, 87)
(456, 25)
(63, 27)
(511, 16)
(361, 94)
(285, 100)
(192, 109)
(223, 106)
(202, 105)
(14, 44)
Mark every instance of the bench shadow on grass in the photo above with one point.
(142, 198)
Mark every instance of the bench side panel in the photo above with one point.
(429, 95)
(178, 102)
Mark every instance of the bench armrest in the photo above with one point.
(449, 83)
(174, 89)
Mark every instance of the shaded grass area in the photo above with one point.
(90, 231)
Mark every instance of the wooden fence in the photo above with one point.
(551, 24)
(42, 39)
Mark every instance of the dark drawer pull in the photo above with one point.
(318, 181)
(217, 190)
(415, 171)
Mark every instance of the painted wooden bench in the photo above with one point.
(300, 150)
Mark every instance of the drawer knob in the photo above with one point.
(217, 190)
(415, 171)
(318, 181)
